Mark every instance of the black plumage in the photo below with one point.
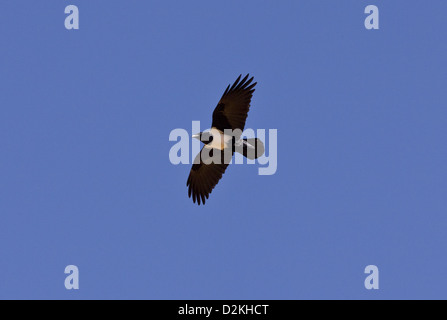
(230, 113)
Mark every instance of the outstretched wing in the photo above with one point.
(204, 177)
(232, 109)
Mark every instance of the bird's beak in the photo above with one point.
(196, 136)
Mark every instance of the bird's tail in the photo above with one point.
(251, 148)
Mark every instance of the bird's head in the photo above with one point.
(205, 137)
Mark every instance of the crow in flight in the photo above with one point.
(223, 140)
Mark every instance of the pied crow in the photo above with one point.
(223, 140)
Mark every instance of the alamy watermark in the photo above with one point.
(185, 152)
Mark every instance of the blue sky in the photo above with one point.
(85, 117)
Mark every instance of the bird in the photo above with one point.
(219, 146)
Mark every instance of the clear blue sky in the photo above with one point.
(85, 177)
